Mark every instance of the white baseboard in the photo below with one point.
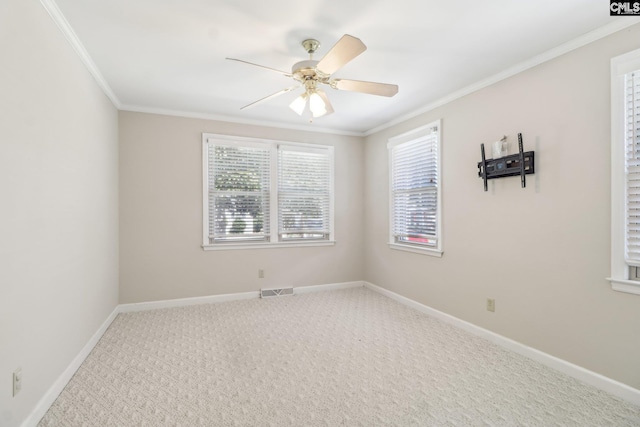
(609, 385)
(183, 302)
(329, 287)
(54, 391)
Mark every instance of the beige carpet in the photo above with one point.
(340, 358)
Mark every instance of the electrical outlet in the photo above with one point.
(491, 304)
(17, 381)
(260, 274)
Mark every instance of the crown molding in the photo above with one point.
(56, 14)
(52, 8)
(590, 37)
(231, 119)
(54, 11)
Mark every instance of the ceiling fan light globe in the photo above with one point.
(316, 105)
(299, 103)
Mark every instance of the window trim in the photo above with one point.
(273, 190)
(307, 148)
(620, 280)
(409, 136)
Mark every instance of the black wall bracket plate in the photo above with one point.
(520, 164)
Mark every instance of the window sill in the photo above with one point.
(416, 250)
(236, 246)
(622, 285)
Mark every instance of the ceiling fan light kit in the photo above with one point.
(311, 73)
(299, 103)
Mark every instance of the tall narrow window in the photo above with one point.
(625, 172)
(262, 193)
(304, 192)
(239, 184)
(632, 158)
(415, 197)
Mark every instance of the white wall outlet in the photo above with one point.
(260, 274)
(17, 381)
(491, 305)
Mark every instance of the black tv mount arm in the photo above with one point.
(521, 164)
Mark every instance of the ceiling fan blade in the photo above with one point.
(284, 73)
(347, 48)
(327, 103)
(381, 89)
(266, 98)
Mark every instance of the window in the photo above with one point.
(415, 196)
(261, 193)
(625, 171)
(304, 193)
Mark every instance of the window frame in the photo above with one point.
(305, 148)
(409, 137)
(274, 237)
(620, 272)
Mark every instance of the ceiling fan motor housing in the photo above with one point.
(306, 70)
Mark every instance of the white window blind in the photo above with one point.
(632, 157)
(262, 193)
(239, 189)
(414, 190)
(625, 173)
(304, 192)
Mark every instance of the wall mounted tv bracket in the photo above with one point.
(520, 164)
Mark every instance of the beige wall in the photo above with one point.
(161, 216)
(59, 205)
(541, 252)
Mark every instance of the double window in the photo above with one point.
(415, 196)
(260, 193)
(625, 169)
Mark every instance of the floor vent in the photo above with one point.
(265, 293)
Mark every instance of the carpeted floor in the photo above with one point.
(339, 358)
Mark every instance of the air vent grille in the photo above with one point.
(266, 293)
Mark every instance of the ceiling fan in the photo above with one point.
(311, 74)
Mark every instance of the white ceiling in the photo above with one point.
(169, 55)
